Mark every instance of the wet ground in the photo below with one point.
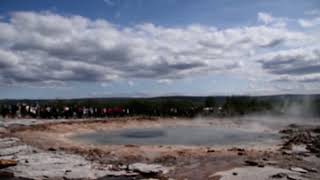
(49, 151)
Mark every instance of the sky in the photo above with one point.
(145, 48)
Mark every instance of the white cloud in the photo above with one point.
(131, 83)
(297, 65)
(105, 84)
(265, 18)
(47, 47)
(310, 78)
(309, 23)
(270, 20)
(164, 81)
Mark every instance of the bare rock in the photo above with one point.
(272, 163)
(8, 142)
(316, 130)
(293, 177)
(286, 131)
(287, 152)
(293, 126)
(279, 176)
(6, 174)
(297, 169)
(52, 149)
(3, 130)
(4, 163)
(130, 145)
(14, 150)
(251, 163)
(148, 168)
(252, 173)
(215, 177)
(311, 170)
(210, 150)
(237, 149)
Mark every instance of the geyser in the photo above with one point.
(181, 135)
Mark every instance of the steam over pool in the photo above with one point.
(181, 135)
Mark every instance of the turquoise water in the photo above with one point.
(179, 136)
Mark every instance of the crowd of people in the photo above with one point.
(23, 110)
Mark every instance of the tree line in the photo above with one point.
(164, 107)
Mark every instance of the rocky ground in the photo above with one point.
(38, 149)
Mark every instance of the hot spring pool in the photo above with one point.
(179, 136)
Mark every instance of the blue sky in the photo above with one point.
(103, 48)
(223, 13)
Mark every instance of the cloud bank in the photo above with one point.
(43, 47)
